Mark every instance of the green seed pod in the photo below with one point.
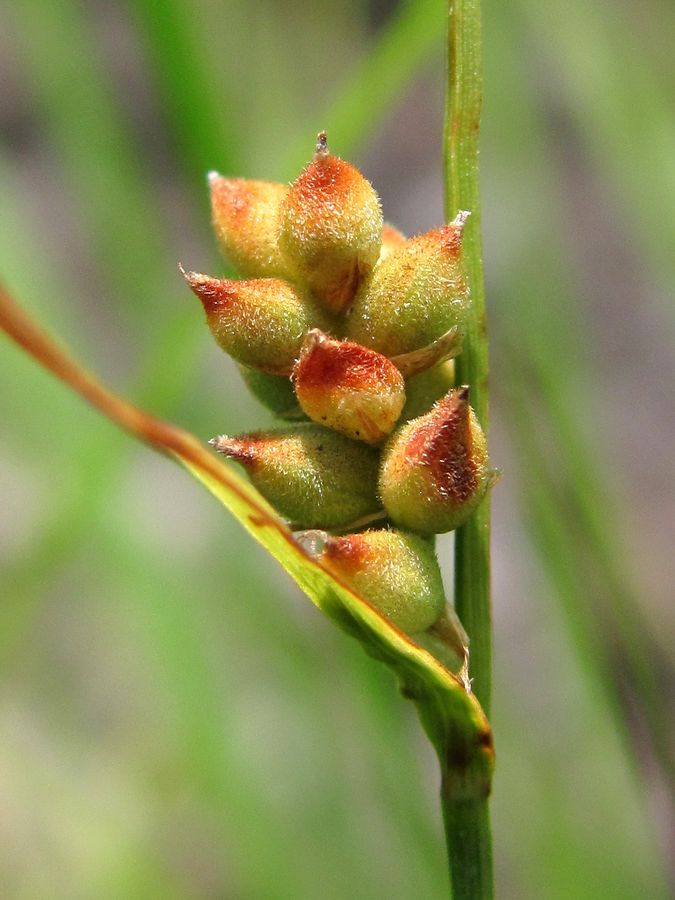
(314, 477)
(260, 323)
(423, 390)
(414, 295)
(398, 572)
(435, 468)
(330, 228)
(275, 392)
(392, 239)
(348, 388)
(246, 222)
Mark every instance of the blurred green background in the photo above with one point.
(176, 720)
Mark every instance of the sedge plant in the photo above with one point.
(370, 349)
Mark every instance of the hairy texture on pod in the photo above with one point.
(423, 390)
(392, 239)
(435, 468)
(414, 295)
(398, 572)
(260, 323)
(330, 228)
(245, 217)
(314, 477)
(275, 392)
(348, 388)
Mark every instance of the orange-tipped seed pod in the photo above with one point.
(260, 323)
(330, 228)
(314, 477)
(435, 468)
(414, 295)
(348, 387)
(397, 571)
(245, 217)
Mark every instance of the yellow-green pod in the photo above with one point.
(397, 571)
(260, 322)
(314, 477)
(415, 295)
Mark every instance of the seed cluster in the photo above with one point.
(347, 329)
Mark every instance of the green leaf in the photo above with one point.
(450, 713)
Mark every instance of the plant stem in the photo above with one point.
(466, 815)
(467, 832)
(462, 122)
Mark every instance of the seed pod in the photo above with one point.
(246, 222)
(398, 572)
(348, 388)
(415, 294)
(435, 469)
(330, 228)
(275, 392)
(392, 239)
(314, 477)
(260, 323)
(423, 390)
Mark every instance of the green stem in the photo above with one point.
(466, 815)
(462, 122)
(467, 832)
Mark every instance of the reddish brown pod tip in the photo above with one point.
(348, 388)
(259, 322)
(435, 469)
(330, 227)
(245, 217)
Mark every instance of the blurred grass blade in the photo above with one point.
(568, 509)
(194, 101)
(100, 164)
(451, 716)
(623, 108)
(413, 32)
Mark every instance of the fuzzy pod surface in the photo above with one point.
(245, 217)
(316, 478)
(435, 468)
(330, 228)
(414, 295)
(397, 571)
(260, 322)
(348, 388)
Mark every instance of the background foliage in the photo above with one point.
(175, 719)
